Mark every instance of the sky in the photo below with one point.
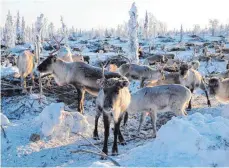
(88, 14)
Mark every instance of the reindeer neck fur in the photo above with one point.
(60, 71)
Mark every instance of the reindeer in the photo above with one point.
(170, 78)
(140, 72)
(26, 63)
(192, 79)
(77, 58)
(112, 101)
(79, 74)
(161, 99)
(219, 88)
(195, 64)
(154, 59)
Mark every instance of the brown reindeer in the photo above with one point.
(79, 74)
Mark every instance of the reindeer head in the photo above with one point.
(46, 65)
(213, 85)
(111, 91)
(160, 73)
(183, 71)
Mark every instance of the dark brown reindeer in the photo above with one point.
(112, 101)
(79, 74)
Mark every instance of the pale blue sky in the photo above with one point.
(87, 14)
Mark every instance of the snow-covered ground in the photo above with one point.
(199, 139)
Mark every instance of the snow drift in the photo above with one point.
(196, 140)
(56, 122)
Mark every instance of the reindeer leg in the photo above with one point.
(120, 136)
(125, 120)
(142, 82)
(190, 102)
(116, 132)
(23, 84)
(98, 114)
(80, 107)
(143, 114)
(106, 122)
(203, 87)
(153, 117)
(32, 78)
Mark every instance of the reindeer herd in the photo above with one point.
(161, 91)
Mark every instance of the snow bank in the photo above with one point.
(196, 140)
(225, 111)
(4, 120)
(58, 123)
(9, 71)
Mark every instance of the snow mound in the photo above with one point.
(225, 111)
(9, 71)
(196, 140)
(57, 123)
(4, 120)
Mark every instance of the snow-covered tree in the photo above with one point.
(213, 25)
(23, 30)
(9, 31)
(28, 34)
(39, 24)
(146, 26)
(51, 30)
(196, 29)
(118, 31)
(152, 25)
(133, 33)
(181, 33)
(18, 29)
(64, 30)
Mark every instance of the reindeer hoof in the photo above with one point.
(96, 138)
(24, 91)
(188, 109)
(103, 158)
(123, 143)
(154, 135)
(114, 153)
(209, 103)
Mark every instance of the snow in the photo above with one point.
(225, 111)
(195, 140)
(200, 139)
(4, 120)
(9, 71)
(50, 118)
(58, 123)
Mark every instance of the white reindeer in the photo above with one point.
(158, 99)
(219, 89)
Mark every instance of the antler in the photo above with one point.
(58, 45)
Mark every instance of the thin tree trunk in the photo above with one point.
(38, 62)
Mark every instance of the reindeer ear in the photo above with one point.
(54, 58)
(100, 82)
(220, 79)
(123, 83)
